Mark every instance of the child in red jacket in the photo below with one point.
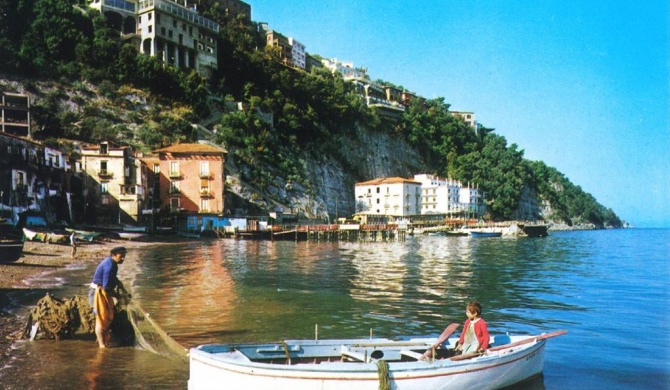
(475, 334)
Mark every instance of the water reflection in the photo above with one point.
(591, 283)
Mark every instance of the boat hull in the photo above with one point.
(10, 250)
(485, 234)
(215, 371)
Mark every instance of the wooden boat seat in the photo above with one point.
(346, 352)
(411, 354)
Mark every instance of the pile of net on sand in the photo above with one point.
(58, 319)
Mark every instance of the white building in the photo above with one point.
(347, 69)
(166, 29)
(298, 56)
(393, 196)
(447, 196)
(473, 199)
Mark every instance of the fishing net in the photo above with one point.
(54, 318)
(149, 336)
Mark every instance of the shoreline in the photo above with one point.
(38, 258)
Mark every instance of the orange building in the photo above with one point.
(191, 178)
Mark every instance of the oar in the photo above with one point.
(528, 340)
(443, 337)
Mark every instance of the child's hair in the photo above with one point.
(475, 308)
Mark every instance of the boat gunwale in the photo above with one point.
(401, 370)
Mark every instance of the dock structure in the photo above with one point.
(340, 232)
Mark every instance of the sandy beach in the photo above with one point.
(37, 258)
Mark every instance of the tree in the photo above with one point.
(53, 35)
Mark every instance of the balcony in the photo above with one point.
(103, 173)
(206, 193)
(175, 175)
(205, 175)
(131, 192)
(174, 192)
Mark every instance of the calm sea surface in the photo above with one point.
(609, 289)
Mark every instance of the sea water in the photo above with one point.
(609, 289)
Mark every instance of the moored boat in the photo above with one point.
(366, 364)
(535, 230)
(476, 233)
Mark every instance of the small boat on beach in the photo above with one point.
(45, 235)
(367, 364)
(84, 234)
(10, 250)
(129, 235)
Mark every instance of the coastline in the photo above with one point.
(38, 258)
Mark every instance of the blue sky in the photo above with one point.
(583, 86)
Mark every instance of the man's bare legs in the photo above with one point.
(102, 335)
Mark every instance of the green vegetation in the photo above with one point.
(286, 114)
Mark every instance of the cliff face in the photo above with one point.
(364, 156)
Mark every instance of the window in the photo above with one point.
(174, 168)
(103, 166)
(204, 186)
(20, 178)
(104, 148)
(150, 29)
(174, 187)
(204, 205)
(104, 188)
(157, 168)
(204, 168)
(174, 204)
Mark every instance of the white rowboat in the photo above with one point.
(365, 364)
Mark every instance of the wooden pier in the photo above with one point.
(336, 232)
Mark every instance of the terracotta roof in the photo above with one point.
(150, 160)
(190, 148)
(387, 180)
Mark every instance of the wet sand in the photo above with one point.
(37, 258)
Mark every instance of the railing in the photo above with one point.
(174, 191)
(120, 4)
(105, 173)
(181, 12)
(175, 174)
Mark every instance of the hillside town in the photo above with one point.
(182, 187)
